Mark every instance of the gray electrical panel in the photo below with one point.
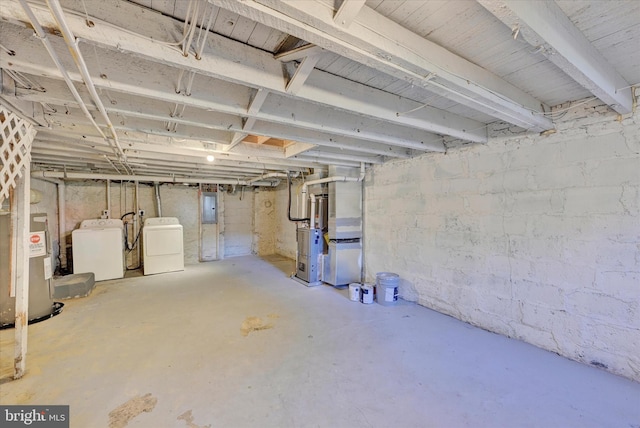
(209, 203)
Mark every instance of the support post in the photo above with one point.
(21, 287)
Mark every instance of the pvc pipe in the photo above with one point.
(137, 226)
(62, 226)
(328, 180)
(109, 197)
(312, 214)
(158, 201)
(143, 178)
(72, 43)
(271, 175)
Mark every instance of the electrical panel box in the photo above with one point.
(209, 207)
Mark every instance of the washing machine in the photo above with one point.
(162, 245)
(98, 247)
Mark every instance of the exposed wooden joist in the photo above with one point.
(380, 43)
(235, 62)
(20, 207)
(299, 53)
(348, 11)
(168, 146)
(136, 98)
(544, 25)
(301, 74)
(252, 111)
(371, 137)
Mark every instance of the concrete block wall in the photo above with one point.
(285, 239)
(533, 237)
(238, 222)
(264, 221)
(86, 200)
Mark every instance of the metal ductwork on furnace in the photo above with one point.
(329, 239)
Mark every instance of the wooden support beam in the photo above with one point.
(240, 64)
(299, 53)
(376, 41)
(348, 11)
(545, 26)
(302, 73)
(22, 210)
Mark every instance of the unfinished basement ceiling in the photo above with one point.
(271, 85)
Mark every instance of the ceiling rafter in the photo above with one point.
(248, 66)
(348, 11)
(136, 98)
(378, 42)
(544, 26)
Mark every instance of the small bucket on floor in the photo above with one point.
(366, 294)
(387, 288)
(354, 292)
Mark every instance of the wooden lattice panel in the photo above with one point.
(15, 151)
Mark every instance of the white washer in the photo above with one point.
(98, 247)
(162, 245)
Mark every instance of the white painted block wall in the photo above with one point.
(238, 222)
(285, 239)
(264, 221)
(534, 237)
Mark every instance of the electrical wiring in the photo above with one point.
(126, 30)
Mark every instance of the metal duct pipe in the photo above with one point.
(72, 43)
(143, 178)
(156, 185)
(328, 180)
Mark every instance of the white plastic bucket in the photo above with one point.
(387, 288)
(354, 292)
(366, 294)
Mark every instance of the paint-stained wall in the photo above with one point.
(87, 200)
(285, 239)
(265, 223)
(534, 237)
(238, 222)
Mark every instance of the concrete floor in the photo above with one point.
(237, 344)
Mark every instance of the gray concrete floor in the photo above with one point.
(238, 344)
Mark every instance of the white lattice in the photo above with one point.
(16, 136)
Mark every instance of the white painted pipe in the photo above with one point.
(109, 197)
(312, 215)
(156, 185)
(271, 175)
(40, 33)
(327, 180)
(72, 43)
(136, 230)
(62, 226)
(143, 178)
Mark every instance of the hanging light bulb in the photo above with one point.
(210, 158)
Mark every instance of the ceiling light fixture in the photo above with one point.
(210, 158)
